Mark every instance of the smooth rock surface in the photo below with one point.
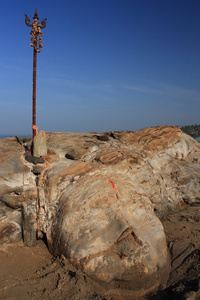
(114, 239)
(39, 144)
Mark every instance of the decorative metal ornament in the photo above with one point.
(36, 33)
(36, 43)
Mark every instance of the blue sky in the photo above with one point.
(105, 65)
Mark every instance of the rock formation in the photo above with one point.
(99, 199)
(39, 144)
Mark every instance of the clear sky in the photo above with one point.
(105, 65)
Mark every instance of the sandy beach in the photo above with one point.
(33, 273)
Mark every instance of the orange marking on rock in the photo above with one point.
(45, 156)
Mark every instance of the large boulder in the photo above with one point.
(111, 235)
(99, 199)
(101, 206)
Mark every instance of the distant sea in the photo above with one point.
(9, 135)
(198, 139)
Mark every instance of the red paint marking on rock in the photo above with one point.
(45, 156)
(113, 186)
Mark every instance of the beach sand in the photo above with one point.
(33, 273)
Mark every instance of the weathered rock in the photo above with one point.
(26, 142)
(68, 142)
(10, 225)
(57, 178)
(74, 154)
(10, 232)
(52, 156)
(38, 169)
(99, 196)
(34, 159)
(40, 144)
(13, 171)
(17, 188)
(29, 224)
(103, 137)
(117, 239)
(18, 211)
(114, 238)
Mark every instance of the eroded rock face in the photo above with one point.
(10, 224)
(114, 238)
(99, 199)
(14, 172)
(108, 194)
(18, 193)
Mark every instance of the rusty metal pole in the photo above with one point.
(34, 92)
(36, 43)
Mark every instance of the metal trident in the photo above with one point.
(36, 43)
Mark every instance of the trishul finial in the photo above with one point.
(36, 15)
(36, 38)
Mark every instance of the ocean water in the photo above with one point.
(198, 139)
(11, 135)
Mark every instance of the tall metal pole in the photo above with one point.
(34, 92)
(36, 43)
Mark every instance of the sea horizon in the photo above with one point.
(2, 136)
